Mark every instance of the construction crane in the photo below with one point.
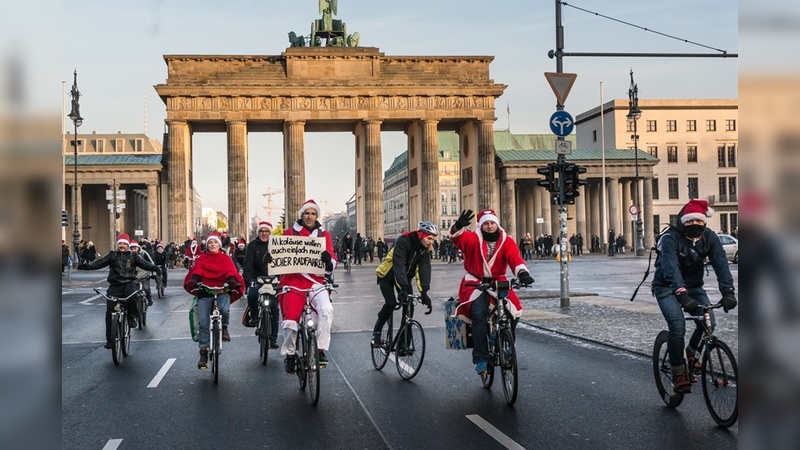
(270, 192)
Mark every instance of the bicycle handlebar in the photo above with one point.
(113, 299)
(496, 285)
(214, 289)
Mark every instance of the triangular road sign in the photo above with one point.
(561, 83)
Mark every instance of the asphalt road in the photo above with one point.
(572, 394)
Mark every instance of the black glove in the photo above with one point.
(233, 285)
(83, 266)
(525, 278)
(689, 304)
(427, 302)
(191, 285)
(267, 258)
(326, 257)
(728, 300)
(401, 296)
(464, 219)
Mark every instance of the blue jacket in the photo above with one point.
(680, 262)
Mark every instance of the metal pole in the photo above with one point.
(76, 235)
(562, 208)
(604, 228)
(639, 225)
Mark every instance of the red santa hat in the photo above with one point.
(265, 224)
(310, 203)
(124, 238)
(487, 215)
(696, 209)
(159, 245)
(134, 244)
(240, 243)
(214, 236)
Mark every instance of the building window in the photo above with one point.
(730, 125)
(673, 188)
(673, 219)
(711, 125)
(723, 223)
(672, 125)
(723, 189)
(656, 224)
(444, 197)
(655, 188)
(453, 210)
(693, 188)
(732, 155)
(672, 153)
(138, 145)
(443, 224)
(82, 145)
(594, 135)
(444, 209)
(651, 125)
(734, 221)
(732, 189)
(691, 125)
(691, 154)
(453, 197)
(100, 145)
(466, 176)
(721, 156)
(629, 126)
(653, 150)
(119, 145)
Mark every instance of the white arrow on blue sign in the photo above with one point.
(561, 123)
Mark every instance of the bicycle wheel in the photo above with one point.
(312, 368)
(216, 337)
(116, 335)
(410, 350)
(720, 375)
(263, 335)
(142, 311)
(488, 377)
(508, 364)
(300, 359)
(347, 265)
(125, 340)
(159, 287)
(381, 355)
(663, 372)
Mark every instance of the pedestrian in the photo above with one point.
(612, 243)
(382, 249)
(64, 255)
(359, 248)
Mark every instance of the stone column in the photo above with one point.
(294, 160)
(580, 214)
(649, 226)
(178, 191)
(613, 206)
(153, 231)
(237, 178)
(544, 205)
(509, 205)
(486, 166)
(373, 180)
(532, 200)
(431, 209)
(594, 196)
(627, 227)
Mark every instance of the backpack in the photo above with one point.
(655, 248)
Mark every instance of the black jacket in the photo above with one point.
(680, 262)
(408, 259)
(254, 260)
(122, 266)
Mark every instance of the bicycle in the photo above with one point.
(718, 370)
(215, 327)
(266, 294)
(307, 363)
(159, 281)
(120, 330)
(142, 306)
(408, 344)
(502, 349)
(347, 263)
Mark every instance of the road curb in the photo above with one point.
(587, 339)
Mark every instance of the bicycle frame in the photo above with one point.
(407, 316)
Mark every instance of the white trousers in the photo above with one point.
(323, 317)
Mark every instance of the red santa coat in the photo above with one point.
(292, 302)
(505, 256)
(193, 250)
(214, 269)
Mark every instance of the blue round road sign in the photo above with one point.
(561, 123)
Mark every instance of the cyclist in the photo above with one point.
(678, 283)
(192, 252)
(213, 268)
(256, 264)
(409, 258)
(293, 302)
(488, 253)
(239, 253)
(144, 275)
(161, 259)
(122, 264)
(347, 246)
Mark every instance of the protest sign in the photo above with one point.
(296, 254)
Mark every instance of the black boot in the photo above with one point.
(203, 363)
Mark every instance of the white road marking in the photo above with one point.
(67, 315)
(161, 373)
(403, 365)
(112, 444)
(504, 440)
(88, 301)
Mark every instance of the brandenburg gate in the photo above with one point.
(325, 89)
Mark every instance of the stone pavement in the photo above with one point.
(626, 325)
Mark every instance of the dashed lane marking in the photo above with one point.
(161, 373)
(112, 444)
(498, 435)
(88, 301)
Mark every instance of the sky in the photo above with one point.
(118, 47)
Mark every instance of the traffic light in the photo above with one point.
(549, 181)
(572, 181)
(64, 218)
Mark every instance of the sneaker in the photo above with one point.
(694, 364)
(481, 367)
(376, 341)
(109, 344)
(226, 337)
(273, 343)
(149, 302)
(288, 364)
(132, 322)
(203, 363)
(322, 358)
(681, 383)
(252, 323)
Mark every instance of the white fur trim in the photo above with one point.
(692, 216)
(306, 206)
(124, 241)
(487, 217)
(519, 269)
(214, 238)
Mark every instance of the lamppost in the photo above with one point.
(77, 120)
(634, 113)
